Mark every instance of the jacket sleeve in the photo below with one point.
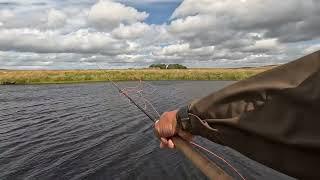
(272, 118)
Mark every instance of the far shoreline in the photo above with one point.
(25, 77)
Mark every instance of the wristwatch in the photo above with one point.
(183, 119)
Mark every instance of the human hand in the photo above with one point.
(166, 127)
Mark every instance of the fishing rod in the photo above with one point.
(128, 97)
(210, 169)
(132, 101)
(206, 166)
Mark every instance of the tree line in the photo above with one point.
(167, 66)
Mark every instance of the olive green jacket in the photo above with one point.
(273, 118)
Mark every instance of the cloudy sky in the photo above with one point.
(82, 34)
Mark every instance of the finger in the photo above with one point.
(157, 129)
(185, 135)
(164, 141)
(162, 145)
(156, 125)
(170, 144)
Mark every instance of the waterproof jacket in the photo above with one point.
(273, 117)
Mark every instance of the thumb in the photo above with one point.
(156, 129)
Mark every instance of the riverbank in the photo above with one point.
(8, 77)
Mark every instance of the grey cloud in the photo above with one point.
(8, 4)
(29, 40)
(79, 34)
(288, 20)
(299, 31)
(25, 60)
(40, 15)
(39, 3)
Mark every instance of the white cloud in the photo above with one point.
(56, 18)
(149, 1)
(267, 43)
(312, 49)
(82, 41)
(272, 18)
(264, 46)
(183, 53)
(246, 29)
(131, 31)
(107, 14)
(57, 34)
(175, 49)
(6, 14)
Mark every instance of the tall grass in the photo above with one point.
(76, 76)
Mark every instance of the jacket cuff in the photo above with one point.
(183, 119)
(187, 121)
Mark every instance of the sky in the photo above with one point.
(87, 34)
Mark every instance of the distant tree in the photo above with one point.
(161, 66)
(176, 66)
(169, 66)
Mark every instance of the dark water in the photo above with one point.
(86, 131)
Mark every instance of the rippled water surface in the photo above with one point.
(88, 131)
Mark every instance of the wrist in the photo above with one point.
(183, 120)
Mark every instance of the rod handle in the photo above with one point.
(209, 168)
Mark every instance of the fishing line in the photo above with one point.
(219, 157)
(191, 142)
(132, 101)
(121, 91)
(125, 92)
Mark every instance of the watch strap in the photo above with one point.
(183, 119)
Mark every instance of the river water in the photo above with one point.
(88, 131)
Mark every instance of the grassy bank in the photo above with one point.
(76, 76)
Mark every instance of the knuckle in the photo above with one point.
(165, 114)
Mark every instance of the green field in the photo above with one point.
(77, 76)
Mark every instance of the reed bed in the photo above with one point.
(78, 76)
